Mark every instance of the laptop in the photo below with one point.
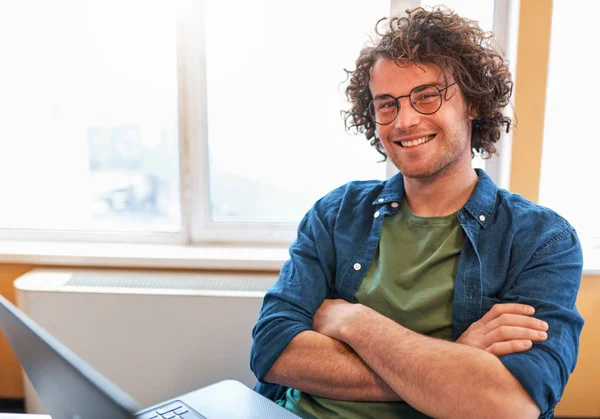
(70, 388)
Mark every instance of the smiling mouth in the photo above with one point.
(415, 142)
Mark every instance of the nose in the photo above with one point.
(407, 117)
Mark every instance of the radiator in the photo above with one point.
(156, 335)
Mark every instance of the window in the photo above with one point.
(89, 117)
(571, 147)
(179, 122)
(274, 94)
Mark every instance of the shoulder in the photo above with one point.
(531, 224)
(348, 205)
(521, 208)
(355, 194)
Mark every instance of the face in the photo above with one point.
(423, 146)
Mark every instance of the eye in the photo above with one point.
(384, 105)
(387, 104)
(427, 97)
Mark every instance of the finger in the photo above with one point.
(510, 333)
(518, 320)
(512, 308)
(510, 347)
(476, 325)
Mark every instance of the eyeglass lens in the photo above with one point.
(424, 99)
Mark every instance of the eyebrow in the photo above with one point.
(422, 87)
(417, 89)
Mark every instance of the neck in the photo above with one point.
(441, 194)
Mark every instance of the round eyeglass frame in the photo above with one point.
(397, 100)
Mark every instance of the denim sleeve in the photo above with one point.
(550, 282)
(289, 305)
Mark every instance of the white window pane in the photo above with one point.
(481, 11)
(275, 90)
(88, 124)
(571, 142)
(478, 162)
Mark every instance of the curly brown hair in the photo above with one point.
(455, 44)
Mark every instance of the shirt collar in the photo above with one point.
(481, 205)
(393, 190)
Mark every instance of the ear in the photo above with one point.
(472, 112)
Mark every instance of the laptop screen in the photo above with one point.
(68, 387)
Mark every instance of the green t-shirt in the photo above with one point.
(411, 281)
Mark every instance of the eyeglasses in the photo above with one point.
(426, 99)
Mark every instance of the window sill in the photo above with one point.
(124, 255)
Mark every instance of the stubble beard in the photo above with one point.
(451, 155)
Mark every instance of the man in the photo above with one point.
(433, 293)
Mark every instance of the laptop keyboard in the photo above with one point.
(173, 410)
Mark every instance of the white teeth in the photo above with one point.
(412, 143)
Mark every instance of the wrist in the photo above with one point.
(355, 324)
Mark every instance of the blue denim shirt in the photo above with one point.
(514, 251)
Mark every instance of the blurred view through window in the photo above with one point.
(275, 89)
(276, 138)
(571, 148)
(89, 106)
(89, 116)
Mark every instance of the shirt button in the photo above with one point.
(357, 266)
(395, 205)
(376, 214)
(482, 217)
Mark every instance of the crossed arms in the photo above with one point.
(339, 350)
(376, 359)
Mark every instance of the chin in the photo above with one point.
(416, 172)
(428, 170)
(417, 175)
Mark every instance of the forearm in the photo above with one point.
(325, 367)
(439, 378)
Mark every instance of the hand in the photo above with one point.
(332, 316)
(506, 329)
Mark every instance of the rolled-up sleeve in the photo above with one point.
(302, 286)
(550, 282)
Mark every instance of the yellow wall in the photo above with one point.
(581, 395)
(533, 49)
(11, 384)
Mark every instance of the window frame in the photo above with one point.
(196, 227)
